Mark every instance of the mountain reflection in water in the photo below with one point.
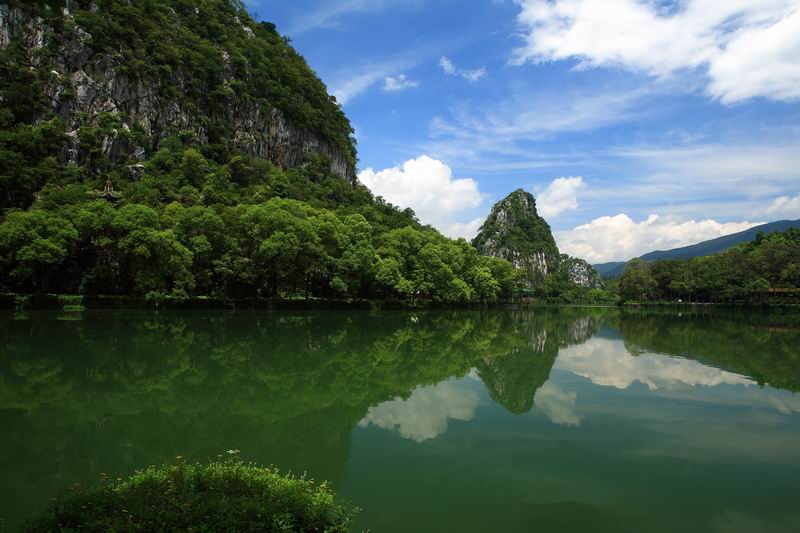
(453, 399)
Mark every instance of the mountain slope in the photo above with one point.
(176, 148)
(704, 248)
(113, 80)
(514, 231)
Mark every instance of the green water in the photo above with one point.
(540, 420)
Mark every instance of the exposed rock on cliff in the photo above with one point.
(514, 231)
(581, 273)
(209, 75)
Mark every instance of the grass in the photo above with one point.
(225, 495)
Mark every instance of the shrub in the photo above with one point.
(70, 302)
(221, 496)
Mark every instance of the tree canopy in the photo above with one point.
(744, 273)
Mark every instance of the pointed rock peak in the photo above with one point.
(519, 197)
(514, 231)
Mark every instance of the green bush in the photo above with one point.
(221, 496)
(71, 302)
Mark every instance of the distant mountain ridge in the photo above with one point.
(710, 247)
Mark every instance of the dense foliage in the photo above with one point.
(745, 273)
(199, 217)
(206, 57)
(515, 231)
(191, 226)
(220, 496)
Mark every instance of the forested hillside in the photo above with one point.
(178, 148)
(745, 273)
(713, 246)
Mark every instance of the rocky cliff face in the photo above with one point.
(514, 231)
(85, 84)
(581, 273)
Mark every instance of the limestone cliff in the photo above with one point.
(580, 272)
(514, 231)
(214, 83)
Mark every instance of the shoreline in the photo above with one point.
(23, 302)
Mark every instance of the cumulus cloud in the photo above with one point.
(606, 362)
(398, 83)
(785, 206)
(427, 186)
(620, 238)
(560, 196)
(746, 48)
(425, 414)
(558, 405)
(470, 75)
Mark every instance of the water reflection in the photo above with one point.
(113, 392)
(425, 413)
(559, 405)
(607, 362)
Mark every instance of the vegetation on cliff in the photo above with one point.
(190, 226)
(200, 209)
(514, 231)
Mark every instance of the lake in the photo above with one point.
(550, 419)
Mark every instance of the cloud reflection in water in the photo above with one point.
(606, 362)
(424, 415)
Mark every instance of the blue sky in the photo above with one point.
(638, 124)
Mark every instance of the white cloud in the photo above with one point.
(761, 61)
(427, 186)
(499, 135)
(425, 413)
(747, 48)
(471, 76)
(358, 84)
(353, 82)
(447, 66)
(398, 83)
(607, 362)
(785, 206)
(558, 405)
(724, 163)
(468, 230)
(736, 181)
(620, 238)
(330, 12)
(560, 196)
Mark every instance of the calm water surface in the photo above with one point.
(564, 419)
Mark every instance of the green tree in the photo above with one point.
(33, 245)
(637, 283)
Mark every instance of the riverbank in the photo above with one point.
(11, 301)
(701, 305)
(73, 302)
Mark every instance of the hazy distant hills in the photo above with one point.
(720, 244)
